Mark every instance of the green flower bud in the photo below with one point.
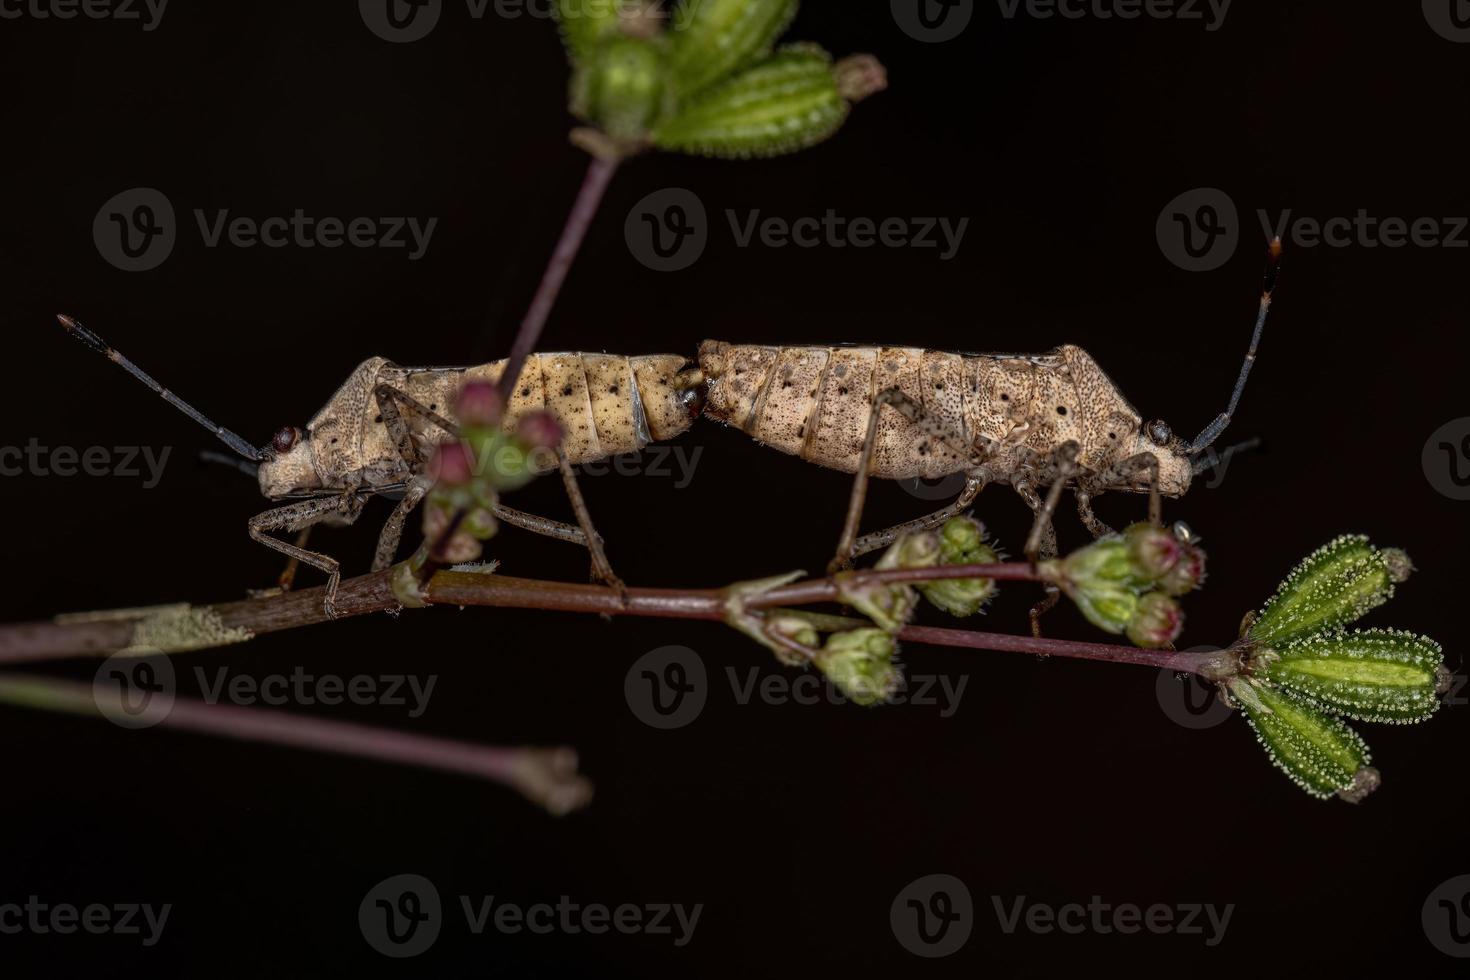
(620, 88)
(860, 663)
(716, 38)
(1320, 754)
(1154, 549)
(480, 523)
(1335, 585)
(889, 606)
(796, 629)
(1107, 606)
(962, 542)
(584, 23)
(1157, 622)
(786, 103)
(1370, 675)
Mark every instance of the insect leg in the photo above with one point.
(1124, 474)
(1084, 511)
(1041, 543)
(389, 398)
(297, 517)
(975, 481)
(846, 544)
(601, 568)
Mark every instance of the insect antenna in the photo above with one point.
(1215, 428)
(99, 345)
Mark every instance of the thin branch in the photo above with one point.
(99, 635)
(547, 777)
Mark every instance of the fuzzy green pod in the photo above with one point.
(1334, 585)
(786, 103)
(860, 663)
(716, 38)
(962, 542)
(1320, 754)
(1381, 675)
(621, 87)
(584, 23)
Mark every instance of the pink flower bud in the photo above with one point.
(478, 404)
(539, 429)
(1157, 622)
(1153, 549)
(453, 465)
(1188, 574)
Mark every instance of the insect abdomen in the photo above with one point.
(815, 402)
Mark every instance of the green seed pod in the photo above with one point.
(620, 87)
(1320, 754)
(1108, 607)
(1157, 623)
(584, 23)
(1333, 586)
(716, 38)
(1371, 675)
(962, 542)
(1154, 550)
(860, 663)
(785, 103)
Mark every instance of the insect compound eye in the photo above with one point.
(1159, 433)
(283, 440)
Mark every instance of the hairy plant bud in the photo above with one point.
(860, 664)
(1320, 754)
(1335, 585)
(1157, 622)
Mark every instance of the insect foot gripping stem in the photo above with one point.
(1303, 671)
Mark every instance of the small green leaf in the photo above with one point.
(716, 38)
(786, 103)
(1334, 585)
(584, 23)
(1320, 754)
(1371, 675)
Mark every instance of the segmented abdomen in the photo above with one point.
(606, 404)
(815, 402)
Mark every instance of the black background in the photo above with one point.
(795, 826)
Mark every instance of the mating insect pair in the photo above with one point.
(1036, 422)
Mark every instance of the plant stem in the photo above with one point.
(98, 635)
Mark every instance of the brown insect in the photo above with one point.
(1032, 421)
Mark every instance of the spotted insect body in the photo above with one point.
(1007, 410)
